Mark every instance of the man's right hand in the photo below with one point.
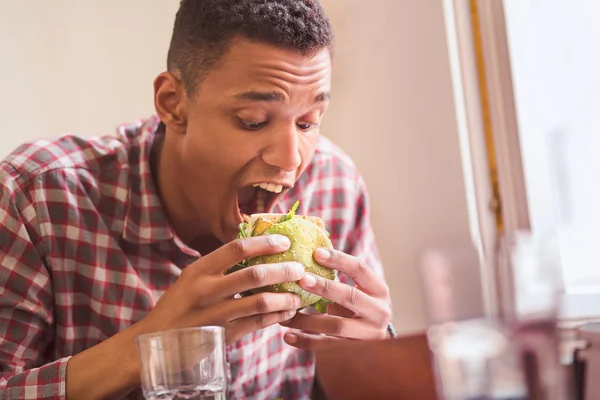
(204, 295)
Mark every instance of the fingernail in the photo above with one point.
(297, 302)
(298, 269)
(288, 317)
(291, 338)
(280, 240)
(322, 253)
(309, 280)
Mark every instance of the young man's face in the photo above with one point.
(253, 121)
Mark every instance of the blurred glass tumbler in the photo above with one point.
(183, 364)
(479, 355)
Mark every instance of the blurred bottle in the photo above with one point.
(533, 320)
(587, 361)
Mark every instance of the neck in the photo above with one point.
(181, 213)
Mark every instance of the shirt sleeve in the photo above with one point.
(26, 307)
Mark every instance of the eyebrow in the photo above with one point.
(322, 97)
(273, 97)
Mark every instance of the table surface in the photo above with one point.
(391, 369)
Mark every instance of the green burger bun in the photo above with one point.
(306, 234)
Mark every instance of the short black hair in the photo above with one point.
(204, 29)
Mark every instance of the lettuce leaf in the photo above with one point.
(243, 233)
(322, 305)
(243, 230)
(291, 214)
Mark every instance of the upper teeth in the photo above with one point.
(271, 187)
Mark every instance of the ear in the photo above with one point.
(170, 102)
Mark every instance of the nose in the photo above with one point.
(284, 150)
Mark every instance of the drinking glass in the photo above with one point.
(186, 363)
(480, 354)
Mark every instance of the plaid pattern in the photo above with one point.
(86, 250)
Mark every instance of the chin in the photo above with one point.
(225, 231)
(230, 234)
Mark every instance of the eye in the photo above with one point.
(304, 126)
(252, 125)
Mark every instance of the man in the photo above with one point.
(103, 239)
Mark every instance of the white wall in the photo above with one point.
(87, 66)
(393, 112)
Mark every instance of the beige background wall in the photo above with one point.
(78, 66)
(84, 67)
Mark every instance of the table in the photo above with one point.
(391, 369)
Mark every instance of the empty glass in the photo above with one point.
(183, 364)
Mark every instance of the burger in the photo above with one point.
(306, 234)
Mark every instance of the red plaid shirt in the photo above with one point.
(86, 251)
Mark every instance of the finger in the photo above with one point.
(310, 342)
(345, 295)
(355, 268)
(241, 327)
(258, 304)
(339, 311)
(239, 250)
(258, 276)
(351, 328)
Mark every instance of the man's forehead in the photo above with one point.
(256, 72)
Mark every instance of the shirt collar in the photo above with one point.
(145, 220)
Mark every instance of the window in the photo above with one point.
(530, 87)
(555, 60)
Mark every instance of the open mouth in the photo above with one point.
(258, 198)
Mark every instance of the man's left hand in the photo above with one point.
(361, 312)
